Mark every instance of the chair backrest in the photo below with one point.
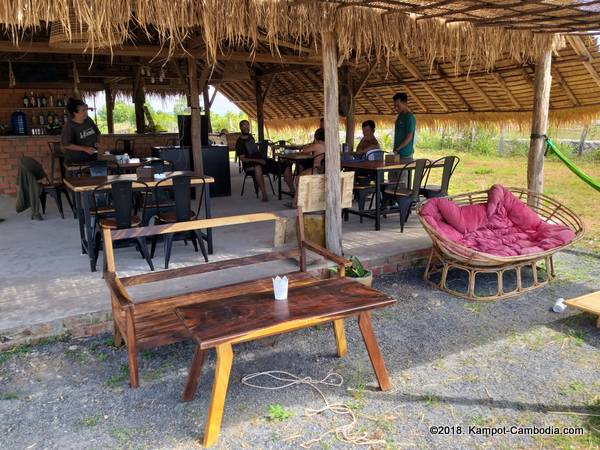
(375, 154)
(450, 163)
(56, 155)
(159, 165)
(420, 168)
(319, 163)
(311, 191)
(121, 199)
(99, 168)
(125, 146)
(180, 187)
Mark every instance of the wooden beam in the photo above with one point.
(333, 201)
(213, 96)
(363, 80)
(350, 109)
(507, 91)
(563, 83)
(286, 44)
(139, 98)
(414, 97)
(260, 113)
(110, 104)
(582, 50)
(415, 72)
(539, 122)
(195, 118)
(206, 101)
(480, 91)
(437, 98)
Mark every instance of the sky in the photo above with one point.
(220, 105)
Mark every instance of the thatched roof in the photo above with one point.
(426, 47)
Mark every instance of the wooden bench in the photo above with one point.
(154, 323)
(589, 303)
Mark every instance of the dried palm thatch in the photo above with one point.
(376, 31)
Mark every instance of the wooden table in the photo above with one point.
(83, 188)
(379, 168)
(292, 158)
(221, 323)
(128, 166)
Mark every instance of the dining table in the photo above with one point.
(83, 188)
(378, 169)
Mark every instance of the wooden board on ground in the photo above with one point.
(589, 303)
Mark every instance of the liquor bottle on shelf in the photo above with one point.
(42, 119)
(44, 101)
(65, 116)
(32, 101)
(50, 117)
(51, 102)
(25, 100)
(56, 120)
(65, 100)
(38, 100)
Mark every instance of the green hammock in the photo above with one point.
(576, 170)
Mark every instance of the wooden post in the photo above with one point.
(349, 111)
(333, 209)
(260, 113)
(539, 122)
(581, 146)
(139, 98)
(110, 105)
(206, 101)
(195, 108)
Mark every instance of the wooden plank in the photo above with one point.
(193, 375)
(311, 192)
(333, 210)
(195, 117)
(582, 50)
(506, 89)
(193, 225)
(366, 330)
(340, 337)
(563, 83)
(481, 93)
(87, 183)
(198, 269)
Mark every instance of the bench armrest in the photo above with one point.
(339, 260)
(117, 289)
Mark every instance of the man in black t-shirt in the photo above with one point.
(251, 156)
(80, 134)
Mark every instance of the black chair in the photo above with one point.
(58, 159)
(179, 186)
(121, 217)
(249, 172)
(431, 191)
(123, 146)
(98, 168)
(406, 198)
(364, 185)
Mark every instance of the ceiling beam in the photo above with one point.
(504, 85)
(565, 86)
(415, 72)
(582, 50)
(363, 80)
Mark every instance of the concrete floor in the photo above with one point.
(46, 286)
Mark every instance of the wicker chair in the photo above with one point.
(447, 255)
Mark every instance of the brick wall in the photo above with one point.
(12, 148)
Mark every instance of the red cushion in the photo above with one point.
(505, 226)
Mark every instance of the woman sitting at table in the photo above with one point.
(80, 134)
(314, 165)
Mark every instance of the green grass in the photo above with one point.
(17, 351)
(479, 171)
(9, 396)
(117, 379)
(90, 421)
(277, 413)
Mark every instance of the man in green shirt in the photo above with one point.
(404, 130)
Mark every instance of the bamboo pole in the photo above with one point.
(582, 138)
(349, 110)
(333, 209)
(139, 98)
(539, 122)
(207, 103)
(195, 118)
(110, 105)
(260, 112)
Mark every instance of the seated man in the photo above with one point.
(316, 149)
(250, 156)
(369, 141)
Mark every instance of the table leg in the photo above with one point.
(81, 221)
(89, 230)
(219, 391)
(208, 215)
(340, 337)
(279, 179)
(193, 375)
(377, 202)
(366, 329)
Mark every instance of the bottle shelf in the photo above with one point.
(29, 108)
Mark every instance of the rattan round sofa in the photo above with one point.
(447, 255)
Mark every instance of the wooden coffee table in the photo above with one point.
(248, 317)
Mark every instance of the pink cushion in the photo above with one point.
(505, 226)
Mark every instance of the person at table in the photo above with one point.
(368, 141)
(404, 129)
(321, 127)
(80, 134)
(314, 165)
(250, 155)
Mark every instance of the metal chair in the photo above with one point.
(121, 216)
(250, 173)
(180, 187)
(406, 198)
(450, 164)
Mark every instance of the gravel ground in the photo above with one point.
(452, 363)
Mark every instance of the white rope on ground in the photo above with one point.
(344, 432)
